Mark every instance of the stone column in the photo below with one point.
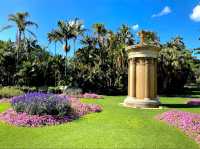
(152, 79)
(140, 67)
(132, 78)
(147, 79)
(155, 78)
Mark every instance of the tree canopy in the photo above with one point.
(99, 63)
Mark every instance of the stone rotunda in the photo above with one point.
(142, 74)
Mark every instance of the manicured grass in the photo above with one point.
(4, 106)
(115, 127)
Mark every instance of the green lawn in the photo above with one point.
(115, 127)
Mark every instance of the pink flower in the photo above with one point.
(23, 119)
(186, 121)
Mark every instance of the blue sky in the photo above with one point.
(166, 17)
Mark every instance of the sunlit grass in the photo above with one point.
(115, 127)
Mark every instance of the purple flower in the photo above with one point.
(194, 102)
(41, 104)
(25, 119)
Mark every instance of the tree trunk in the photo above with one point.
(65, 63)
(66, 50)
(55, 48)
(74, 40)
(18, 45)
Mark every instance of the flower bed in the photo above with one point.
(194, 102)
(85, 95)
(5, 100)
(42, 104)
(186, 121)
(23, 119)
(39, 109)
(81, 109)
(92, 95)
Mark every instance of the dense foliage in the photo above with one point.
(176, 66)
(98, 65)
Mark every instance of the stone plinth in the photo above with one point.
(142, 77)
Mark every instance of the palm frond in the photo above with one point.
(55, 36)
(30, 23)
(5, 27)
(32, 34)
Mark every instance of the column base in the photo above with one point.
(141, 103)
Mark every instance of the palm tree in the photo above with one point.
(126, 38)
(78, 29)
(53, 36)
(126, 35)
(63, 33)
(101, 31)
(22, 24)
(176, 43)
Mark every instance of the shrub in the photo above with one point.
(28, 89)
(43, 89)
(7, 92)
(72, 91)
(42, 104)
(55, 90)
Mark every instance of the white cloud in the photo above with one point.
(135, 27)
(195, 16)
(166, 10)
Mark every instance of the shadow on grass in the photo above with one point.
(183, 93)
(180, 106)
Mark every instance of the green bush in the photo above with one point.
(72, 91)
(7, 92)
(27, 89)
(55, 90)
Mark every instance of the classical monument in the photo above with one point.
(142, 72)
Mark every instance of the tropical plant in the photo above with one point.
(78, 29)
(63, 33)
(174, 66)
(22, 24)
(53, 36)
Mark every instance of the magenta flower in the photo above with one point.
(92, 95)
(186, 121)
(194, 102)
(24, 119)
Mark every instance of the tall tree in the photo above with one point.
(78, 29)
(22, 24)
(64, 32)
(54, 36)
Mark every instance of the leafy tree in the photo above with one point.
(174, 66)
